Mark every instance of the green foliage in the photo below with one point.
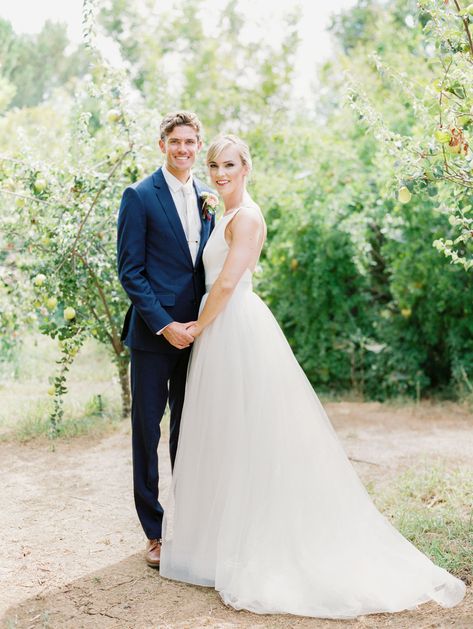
(433, 154)
(316, 291)
(406, 327)
(60, 226)
(354, 189)
(176, 63)
(427, 326)
(61, 204)
(34, 65)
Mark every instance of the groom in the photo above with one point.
(162, 231)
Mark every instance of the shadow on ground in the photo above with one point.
(131, 595)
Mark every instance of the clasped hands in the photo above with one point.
(182, 335)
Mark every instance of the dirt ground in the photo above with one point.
(71, 551)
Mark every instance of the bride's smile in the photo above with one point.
(228, 174)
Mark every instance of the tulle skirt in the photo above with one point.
(266, 507)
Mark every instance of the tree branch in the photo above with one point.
(24, 196)
(115, 339)
(72, 249)
(466, 24)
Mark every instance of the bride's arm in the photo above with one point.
(244, 247)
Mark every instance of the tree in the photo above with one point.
(349, 268)
(61, 209)
(37, 64)
(413, 332)
(434, 156)
(60, 224)
(176, 63)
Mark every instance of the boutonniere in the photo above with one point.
(209, 204)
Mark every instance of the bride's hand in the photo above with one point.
(195, 329)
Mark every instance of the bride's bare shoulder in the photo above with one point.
(251, 211)
(248, 220)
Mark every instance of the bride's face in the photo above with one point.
(228, 172)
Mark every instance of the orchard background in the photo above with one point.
(366, 191)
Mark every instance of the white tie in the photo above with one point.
(192, 229)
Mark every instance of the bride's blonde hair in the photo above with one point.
(221, 142)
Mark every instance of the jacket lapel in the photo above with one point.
(164, 197)
(205, 232)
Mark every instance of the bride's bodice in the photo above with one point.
(215, 254)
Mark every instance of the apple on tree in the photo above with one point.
(69, 313)
(40, 185)
(404, 195)
(39, 279)
(51, 303)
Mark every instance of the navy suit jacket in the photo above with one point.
(155, 265)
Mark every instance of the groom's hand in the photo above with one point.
(176, 333)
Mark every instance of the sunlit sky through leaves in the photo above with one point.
(263, 19)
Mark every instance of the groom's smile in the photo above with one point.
(180, 147)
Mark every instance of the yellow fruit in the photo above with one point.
(20, 202)
(39, 279)
(51, 303)
(404, 195)
(113, 115)
(294, 264)
(40, 185)
(443, 137)
(406, 312)
(69, 313)
(52, 390)
(463, 120)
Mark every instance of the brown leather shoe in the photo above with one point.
(153, 553)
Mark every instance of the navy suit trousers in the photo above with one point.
(155, 379)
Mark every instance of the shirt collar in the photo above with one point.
(173, 182)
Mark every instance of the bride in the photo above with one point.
(267, 508)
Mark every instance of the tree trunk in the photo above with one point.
(122, 364)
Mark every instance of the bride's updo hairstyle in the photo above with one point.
(221, 142)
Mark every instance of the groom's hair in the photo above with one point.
(178, 119)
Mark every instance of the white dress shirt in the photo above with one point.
(185, 200)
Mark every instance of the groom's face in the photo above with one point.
(180, 147)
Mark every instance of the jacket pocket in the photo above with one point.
(166, 299)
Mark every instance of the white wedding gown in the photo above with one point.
(267, 509)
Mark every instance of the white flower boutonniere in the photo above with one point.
(209, 204)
